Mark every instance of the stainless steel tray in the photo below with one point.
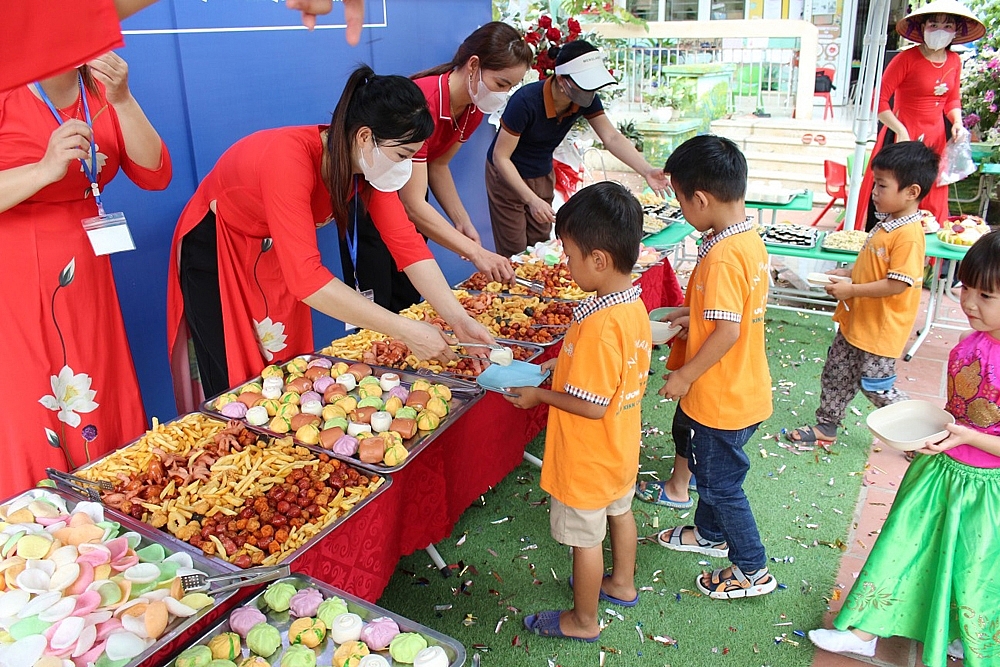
(324, 652)
(149, 535)
(464, 394)
(814, 237)
(164, 537)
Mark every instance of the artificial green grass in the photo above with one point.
(514, 568)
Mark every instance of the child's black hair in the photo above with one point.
(710, 164)
(910, 163)
(981, 267)
(604, 216)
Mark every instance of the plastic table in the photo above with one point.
(801, 202)
(951, 254)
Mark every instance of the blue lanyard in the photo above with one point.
(91, 170)
(352, 248)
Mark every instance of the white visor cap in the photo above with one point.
(587, 71)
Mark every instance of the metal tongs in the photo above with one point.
(532, 285)
(85, 487)
(202, 583)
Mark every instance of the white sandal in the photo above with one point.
(737, 584)
(703, 546)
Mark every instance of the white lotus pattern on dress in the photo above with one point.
(270, 337)
(71, 393)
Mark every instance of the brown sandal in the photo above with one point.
(737, 584)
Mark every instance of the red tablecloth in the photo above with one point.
(428, 496)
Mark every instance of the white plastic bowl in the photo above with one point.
(908, 425)
(663, 331)
(824, 279)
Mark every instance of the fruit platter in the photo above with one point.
(78, 583)
(963, 230)
(300, 622)
(235, 494)
(929, 222)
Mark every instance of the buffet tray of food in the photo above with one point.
(368, 416)
(230, 493)
(301, 622)
(848, 241)
(793, 236)
(81, 581)
(554, 280)
(509, 317)
(377, 349)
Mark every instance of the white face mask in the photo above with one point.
(486, 100)
(383, 173)
(938, 39)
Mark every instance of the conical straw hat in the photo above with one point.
(969, 28)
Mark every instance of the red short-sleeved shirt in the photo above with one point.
(446, 130)
(41, 39)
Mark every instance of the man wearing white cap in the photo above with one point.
(520, 179)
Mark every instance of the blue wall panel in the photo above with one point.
(205, 90)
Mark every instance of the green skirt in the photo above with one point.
(934, 572)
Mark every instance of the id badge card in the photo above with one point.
(108, 233)
(368, 294)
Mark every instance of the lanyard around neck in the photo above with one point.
(89, 170)
(352, 247)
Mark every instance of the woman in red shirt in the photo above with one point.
(76, 386)
(476, 82)
(245, 267)
(924, 82)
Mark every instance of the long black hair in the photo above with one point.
(395, 110)
(497, 45)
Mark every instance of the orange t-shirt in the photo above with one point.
(728, 283)
(590, 463)
(882, 325)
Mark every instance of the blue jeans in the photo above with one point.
(717, 459)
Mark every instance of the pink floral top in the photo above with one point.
(973, 394)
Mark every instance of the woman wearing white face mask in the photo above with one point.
(246, 268)
(476, 82)
(924, 82)
(519, 174)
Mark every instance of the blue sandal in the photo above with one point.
(604, 597)
(546, 624)
(656, 493)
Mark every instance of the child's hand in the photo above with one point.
(841, 291)
(957, 435)
(549, 365)
(839, 272)
(527, 397)
(676, 386)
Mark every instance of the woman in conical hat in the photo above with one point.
(924, 81)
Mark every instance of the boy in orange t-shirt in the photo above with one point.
(878, 306)
(720, 375)
(594, 428)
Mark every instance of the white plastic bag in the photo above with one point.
(956, 162)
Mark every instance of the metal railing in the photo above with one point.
(762, 77)
(766, 56)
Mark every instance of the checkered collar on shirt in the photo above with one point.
(595, 303)
(892, 225)
(710, 239)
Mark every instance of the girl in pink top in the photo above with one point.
(932, 574)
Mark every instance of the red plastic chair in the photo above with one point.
(828, 106)
(836, 186)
